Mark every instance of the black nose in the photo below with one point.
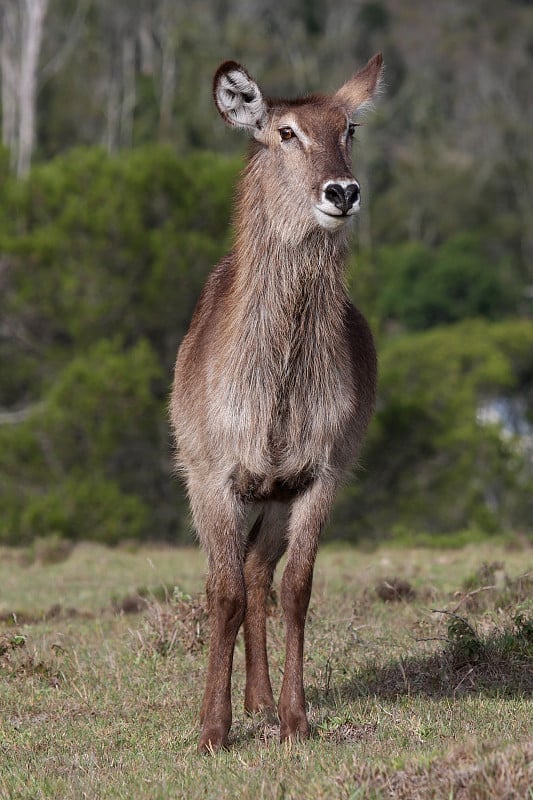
(342, 197)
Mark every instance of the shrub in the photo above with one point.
(429, 465)
(425, 287)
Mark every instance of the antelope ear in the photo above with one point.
(358, 93)
(238, 98)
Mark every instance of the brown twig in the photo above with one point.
(471, 594)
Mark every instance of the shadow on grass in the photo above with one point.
(434, 676)
(498, 664)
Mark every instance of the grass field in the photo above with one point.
(419, 676)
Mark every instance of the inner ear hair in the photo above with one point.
(238, 97)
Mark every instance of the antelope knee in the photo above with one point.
(228, 605)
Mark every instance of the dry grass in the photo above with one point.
(392, 590)
(422, 690)
(180, 622)
(463, 775)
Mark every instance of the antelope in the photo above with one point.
(274, 383)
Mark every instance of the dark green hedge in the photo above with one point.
(101, 262)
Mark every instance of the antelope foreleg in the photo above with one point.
(218, 519)
(308, 515)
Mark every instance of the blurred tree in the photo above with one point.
(99, 251)
(99, 256)
(23, 25)
(430, 464)
(83, 462)
(103, 245)
(424, 287)
(20, 44)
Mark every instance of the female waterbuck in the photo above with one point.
(274, 383)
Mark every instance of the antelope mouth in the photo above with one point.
(332, 221)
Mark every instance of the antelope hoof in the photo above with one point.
(260, 703)
(213, 739)
(295, 728)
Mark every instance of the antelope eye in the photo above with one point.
(286, 134)
(351, 129)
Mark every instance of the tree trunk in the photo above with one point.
(32, 31)
(129, 93)
(9, 67)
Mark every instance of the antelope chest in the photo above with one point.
(281, 415)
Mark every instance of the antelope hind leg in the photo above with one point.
(266, 545)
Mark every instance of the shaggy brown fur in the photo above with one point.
(274, 383)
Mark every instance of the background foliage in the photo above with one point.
(105, 245)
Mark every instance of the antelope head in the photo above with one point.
(302, 147)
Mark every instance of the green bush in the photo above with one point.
(424, 287)
(430, 465)
(94, 246)
(102, 260)
(101, 263)
(84, 507)
(81, 463)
